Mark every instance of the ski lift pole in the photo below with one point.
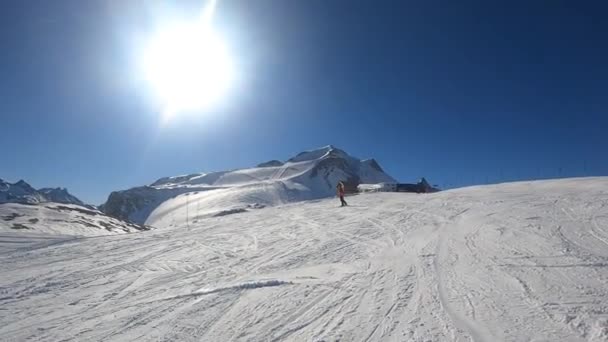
(187, 213)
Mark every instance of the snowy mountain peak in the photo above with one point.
(24, 186)
(271, 163)
(326, 151)
(22, 192)
(309, 175)
(19, 192)
(174, 179)
(373, 164)
(60, 195)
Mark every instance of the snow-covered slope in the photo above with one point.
(511, 262)
(60, 219)
(22, 192)
(309, 175)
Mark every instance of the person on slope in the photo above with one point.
(340, 188)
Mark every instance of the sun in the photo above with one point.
(188, 67)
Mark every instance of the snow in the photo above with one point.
(60, 219)
(310, 175)
(315, 154)
(511, 262)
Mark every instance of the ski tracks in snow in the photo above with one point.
(486, 264)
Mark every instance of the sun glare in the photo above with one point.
(188, 66)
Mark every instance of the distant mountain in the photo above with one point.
(309, 175)
(60, 195)
(19, 192)
(271, 163)
(22, 192)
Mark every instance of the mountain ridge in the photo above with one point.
(311, 174)
(24, 193)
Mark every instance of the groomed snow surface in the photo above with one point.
(512, 262)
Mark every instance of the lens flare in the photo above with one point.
(188, 65)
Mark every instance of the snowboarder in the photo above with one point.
(340, 188)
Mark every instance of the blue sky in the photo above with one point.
(460, 92)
